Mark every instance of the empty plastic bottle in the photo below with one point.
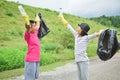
(22, 11)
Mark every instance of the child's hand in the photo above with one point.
(61, 17)
(37, 18)
(100, 31)
(26, 19)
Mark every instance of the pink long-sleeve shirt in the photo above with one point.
(33, 53)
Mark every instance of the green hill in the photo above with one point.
(56, 46)
(108, 20)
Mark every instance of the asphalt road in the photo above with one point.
(98, 70)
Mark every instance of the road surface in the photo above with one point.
(98, 70)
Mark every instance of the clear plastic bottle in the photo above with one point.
(21, 9)
(61, 11)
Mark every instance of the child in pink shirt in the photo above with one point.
(32, 40)
(32, 59)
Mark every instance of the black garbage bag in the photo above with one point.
(108, 44)
(119, 44)
(43, 29)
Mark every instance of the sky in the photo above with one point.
(83, 8)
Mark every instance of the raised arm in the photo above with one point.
(26, 19)
(64, 21)
(27, 22)
(96, 34)
(66, 24)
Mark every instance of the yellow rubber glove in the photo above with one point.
(37, 18)
(65, 22)
(26, 19)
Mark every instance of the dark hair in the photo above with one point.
(27, 26)
(32, 21)
(83, 33)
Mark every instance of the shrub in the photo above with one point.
(9, 14)
(11, 58)
(67, 54)
(49, 46)
(47, 58)
(91, 50)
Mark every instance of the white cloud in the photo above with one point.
(84, 8)
(94, 7)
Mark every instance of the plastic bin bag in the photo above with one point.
(43, 29)
(108, 44)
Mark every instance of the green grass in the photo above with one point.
(18, 72)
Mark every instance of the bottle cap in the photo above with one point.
(60, 11)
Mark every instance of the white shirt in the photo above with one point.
(80, 44)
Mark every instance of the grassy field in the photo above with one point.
(57, 46)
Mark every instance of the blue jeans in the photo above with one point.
(83, 70)
(31, 70)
